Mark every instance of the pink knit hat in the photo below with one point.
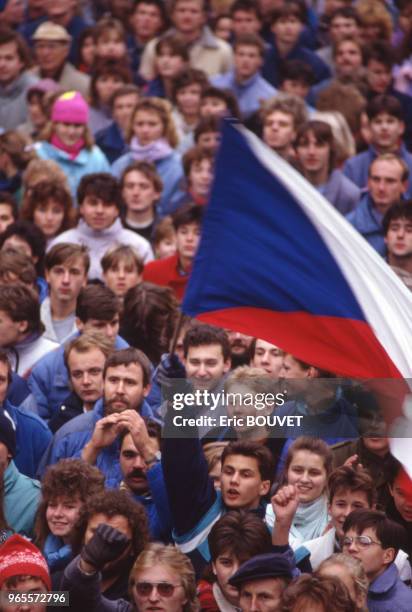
(70, 107)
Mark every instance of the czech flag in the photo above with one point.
(278, 262)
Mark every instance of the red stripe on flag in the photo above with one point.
(346, 347)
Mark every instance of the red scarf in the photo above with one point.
(72, 150)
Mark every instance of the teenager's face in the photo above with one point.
(86, 373)
(205, 365)
(224, 28)
(98, 215)
(121, 277)
(224, 566)
(10, 63)
(106, 85)
(378, 76)
(295, 87)
(287, 30)
(210, 105)
(241, 483)
(88, 51)
(201, 177)
(147, 126)
(69, 133)
(343, 503)
(6, 216)
(166, 247)
(402, 499)
(268, 357)
(48, 216)
(343, 26)
(146, 21)
(139, 192)
(373, 557)
(27, 584)
(386, 131)
(398, 238)
(123, 109)
(188, 99)
(279, 130)
(307, 472)
(209, 141)
(247, 60)
(10, 331)
(62, 514)
(110, 329)
(67, 279)
(111, 46)
(313, 154)
(168, 63)
(187, 239)
(245, 22)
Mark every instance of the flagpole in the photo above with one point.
(176, 333)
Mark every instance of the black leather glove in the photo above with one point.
(171, 376)
(107, 544)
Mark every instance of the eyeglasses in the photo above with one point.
(362, 541)
(164, 589)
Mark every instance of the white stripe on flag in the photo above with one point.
(384, 299)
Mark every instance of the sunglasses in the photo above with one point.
(362, 541)
(164, 589)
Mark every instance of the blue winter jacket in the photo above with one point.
(87, 162)
(387, 592)
(70, 440)
(49, 380)
(170, 170)
(111, 142)
(32, 437)
(356, 167)
(368, 221)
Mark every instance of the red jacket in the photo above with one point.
(166, 272)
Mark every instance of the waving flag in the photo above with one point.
(278, 262)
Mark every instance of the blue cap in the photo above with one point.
(270, 565)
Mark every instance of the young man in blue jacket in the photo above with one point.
(375, 540)
(97, 309)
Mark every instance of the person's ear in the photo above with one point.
(389, 555)
(264, 487)
(79, 325)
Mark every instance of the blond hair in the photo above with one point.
(160, 554)
(163, 109)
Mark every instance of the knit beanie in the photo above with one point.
(19, 557)
(7, 432)
(70, 107)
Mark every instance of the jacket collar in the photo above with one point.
(386, 581)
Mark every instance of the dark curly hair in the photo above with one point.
(67, 478)
(111, 503)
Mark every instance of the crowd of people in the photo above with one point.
(110, 123)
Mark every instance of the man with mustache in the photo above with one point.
(142, 473)
(93, 436)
